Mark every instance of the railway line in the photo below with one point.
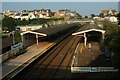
(55, 64)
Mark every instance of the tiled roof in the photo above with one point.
(106, 11)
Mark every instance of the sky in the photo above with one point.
(60, 0)
(84, 8)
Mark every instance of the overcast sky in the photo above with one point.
(60, 0)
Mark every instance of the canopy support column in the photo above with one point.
(37, 39)
(85, 39)
(103, 35)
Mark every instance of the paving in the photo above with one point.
(53, 65)
(90, 55)
(33, 50)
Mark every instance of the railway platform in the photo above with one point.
(32, 51)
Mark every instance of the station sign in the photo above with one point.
(17, 46)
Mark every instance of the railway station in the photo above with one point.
(90, 32)
(50, 33)
(70, 55)
(88, 56)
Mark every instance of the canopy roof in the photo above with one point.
(88, 28)
(50, 30)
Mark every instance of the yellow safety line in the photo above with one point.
(27, 60)
(81, 49)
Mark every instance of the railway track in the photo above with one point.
(55, 64)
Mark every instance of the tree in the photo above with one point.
(111, 28)
(79, 15)
(92, 15)
(18, 37)
(111, 41)
(86, 16)
(114, 47)
(101, 15)
(8, 23)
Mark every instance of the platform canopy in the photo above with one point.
(50, 30)
(88, 28)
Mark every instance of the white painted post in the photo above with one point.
(22, 37)
(85, 39)
(103, 36)
(37, 39)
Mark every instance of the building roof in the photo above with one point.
(50, 30)
(24, 15)
(29, 26)
(18, 14)
(106, 11)
(88, 28)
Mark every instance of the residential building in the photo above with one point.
(8, 12)
(112, 19)
(109, 12)
(29, 14)
(67, 14)
(25, 16)
(33, 16)
(44, 13)
(17, 16)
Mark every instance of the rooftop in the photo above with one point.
(89, 27)
(50, 30)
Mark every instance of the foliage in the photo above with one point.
(101, 15)
(114, 46)
(92, 15)
(79, 15)
(8, 23)
(86, 16)
(112, 39)
(111, 28)
(17, 36)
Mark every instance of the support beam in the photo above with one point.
(103, 35)
(22, 38)
(85, 39)
(37, 39)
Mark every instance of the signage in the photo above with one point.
(17, 46)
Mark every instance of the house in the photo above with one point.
(65, 13)
(17, 16)
(25, 16)
(8, 12)
(33, 16)
(109, 12)
(45, 13)
(112, 19)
